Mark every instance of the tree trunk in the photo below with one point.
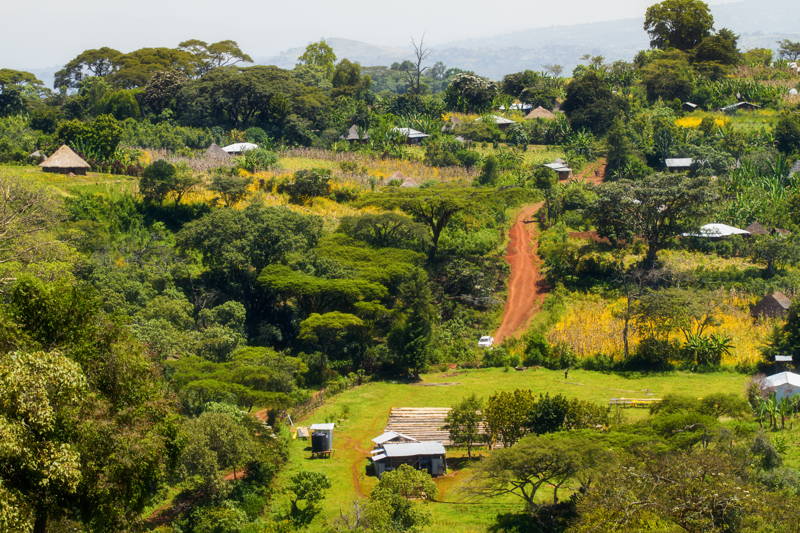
(652, 255)
(40, 525)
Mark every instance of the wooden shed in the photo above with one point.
(772, 306)
(65, 161)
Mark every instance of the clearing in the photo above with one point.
(362, 413)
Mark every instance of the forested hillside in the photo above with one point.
(201, 259)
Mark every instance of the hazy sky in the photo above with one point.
(48, 33)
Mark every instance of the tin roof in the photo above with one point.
(409, 449)
(389, 435)
(784, 378)
(322, 427)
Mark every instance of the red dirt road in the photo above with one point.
(526, 289)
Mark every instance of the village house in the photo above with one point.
(412, 136)
(561, 168)
(783, 385)
(239, 148)
(540, 112)
(740, 106)
(773, 305)
(396, 450)
(679, 164)
(356, 134)
(65, 161)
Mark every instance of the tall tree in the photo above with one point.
(789, 50)
(94, 62)
(656, 209)
(214, 55)
(680, 24)
(414, 76)
(410, 339)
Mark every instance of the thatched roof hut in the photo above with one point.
(774, 305)
(65, 161)
(215, 151)
(356, 133)
(540, 112)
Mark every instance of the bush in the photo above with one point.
(499, 357)
(257, 160)
(308, 184)
(653, 355)
(539, 352)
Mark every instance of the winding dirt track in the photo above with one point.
(526, 288)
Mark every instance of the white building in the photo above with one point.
(783, 385)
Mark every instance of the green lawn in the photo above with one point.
(361, 414)
(66, 185)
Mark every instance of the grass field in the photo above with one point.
(66, 185)
(361, 414)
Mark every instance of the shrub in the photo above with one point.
(308, 184)
(257, 160)
(654, 355)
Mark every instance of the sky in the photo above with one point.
(48, 33)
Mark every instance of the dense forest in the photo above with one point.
(167, 319)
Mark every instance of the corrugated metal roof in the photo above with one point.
(389, 435)
(784, 378)
(322, 427)
(411, 133)
(408, 449)
(239, 147)
(717, 230)
(679, 162)
(378, 457)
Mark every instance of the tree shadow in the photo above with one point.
(547, 519)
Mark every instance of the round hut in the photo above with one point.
(65, 161)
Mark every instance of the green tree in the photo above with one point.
(670, 77)
(410, 338)
(308, 184)
(319, 59)
(214, 55)
(656, 209)
(94, 62)
(408, 482)
(787, 133)
(306, 490)
(231, 188)
(25, 213)
(505, 416)
(463, 423)
(136, 68)
(590, 104)
(348, 81)
(774, 251)
(789, 50)
(158, 180)
(536, 462)
(469, 93)
(40, 399)
(680, 24)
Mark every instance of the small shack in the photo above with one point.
(716, 231)
(321, 439)
(427, 456)
(65, 161)
(540, 112)
(783, 385)
(679, 164)
(740, 106)
(239, 148)
(690, 106)
(412, 136)
(772, 306)
(356, 134)
(561, 168)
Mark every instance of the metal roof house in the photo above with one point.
(783, 385)
(716, 231)
(239, 148)
(740, 106)
(560, 166)
(773, 305)
(690, 106)
(428, 456)
(679, 164)
(412, 136)
(501, 122)
(392, 437)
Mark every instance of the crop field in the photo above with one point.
(361, 414)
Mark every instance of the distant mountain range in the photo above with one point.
(761, 23)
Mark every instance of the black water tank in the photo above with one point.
(320, 442)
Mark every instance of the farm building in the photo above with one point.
(717, 231)
(773, 305)
(356, 134)
(65, 161)
(679, 164)
(420, 423)
(740, 106)
(561, 168)
(540, 112)
(392, 437)
(783, 385)
(412, 136)
(239, 148)
(428, 456)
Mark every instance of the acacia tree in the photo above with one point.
(655, 209)
(93, 62)
(214, 55)
(789, 50)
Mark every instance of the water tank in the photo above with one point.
(320, 442)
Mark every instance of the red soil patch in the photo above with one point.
(526, 288)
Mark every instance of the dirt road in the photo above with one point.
(526, 288)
